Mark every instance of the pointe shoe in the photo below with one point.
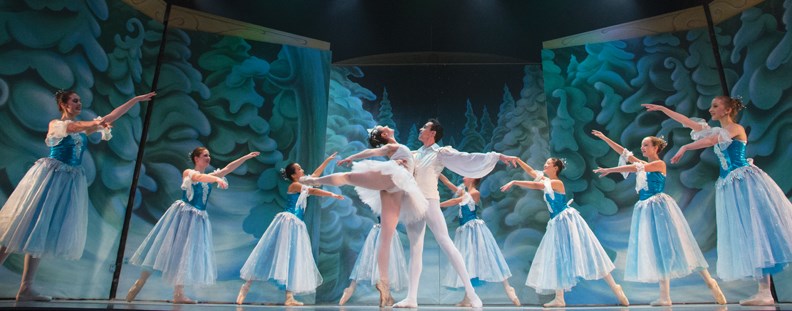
(512, 296)
(134, 290)
(346, 295)
(661, 303)
(406, 303)
(309, 181)
(29, 294)
(180, 298)
(716, 292)
(243, 291)
(385, 296)
(292, 302)
(475, 302)
(465, 302)
(555, 303)
(622, 297)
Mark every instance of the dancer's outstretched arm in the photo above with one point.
(207, 178)
(616, 147)
(475, 165)
(451, 202)
(656, 166)
(323, 193)
(234, 164)
(78, 126)
(320, 169)
(527, 168)
(523, 183)
(448, 183)
(368, 153)
(121, 110)
(705, 142)
(687, 122)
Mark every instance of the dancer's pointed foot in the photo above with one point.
(465, 302)
(510, 292)
(475, 301)
(622, 297)
(385, 296)
(716, 292)
(407, 303)
(556, 303)
(661, 302)
(27, 293)
(309, 180)
(292, 302)
(135, 289)
(243, 291)
(346, 295)
(182, 299)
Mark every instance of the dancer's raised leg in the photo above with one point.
(370, 180)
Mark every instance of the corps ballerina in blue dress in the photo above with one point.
(180, 244)
(366, 268)
(47, 214)
(569, 250)
(754, 216)
(661, 246)
(483, 258)
(283, 254)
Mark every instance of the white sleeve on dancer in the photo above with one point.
(474, 165)
(57, 131)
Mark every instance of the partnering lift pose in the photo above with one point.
(753, 215)
(283, 254)
(180, 244)
(388, 187)
(569, 250)
(483, 258)
(47, 214)
(661, 246)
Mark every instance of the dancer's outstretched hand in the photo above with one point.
(598, 134)
(678, 155)
(144, 97)
(221, 183)
(345, 162)
(653, 107)
(602, 171)
(510, 160)
(507, 186)
(338, 196)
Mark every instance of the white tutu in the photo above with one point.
(47, 214)
(483, 258)
(283, 256)
(366, 268)
(414, 204)
(180, 246)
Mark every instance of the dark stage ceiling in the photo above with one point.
(443, 31)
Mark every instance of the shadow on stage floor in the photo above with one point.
(119, 305)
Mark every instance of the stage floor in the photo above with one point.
(116, 305)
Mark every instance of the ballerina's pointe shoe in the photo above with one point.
(134, 290)
(512, 296)
(243, 291)
(465, 302)
(406, 303)
(346, 296)
(29, 294)
(385, 296)
(621, 296)
(762, 298)
(716, 292)
(661, 303)
(292, 302)
(475, 302)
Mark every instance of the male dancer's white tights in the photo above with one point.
(416, 231)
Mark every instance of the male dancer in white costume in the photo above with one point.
(430, 161)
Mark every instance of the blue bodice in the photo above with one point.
(655, 183)
(291, 205)
(201, 191)
(466, 214)
(69, 150)
(733, 157)
(557, 205)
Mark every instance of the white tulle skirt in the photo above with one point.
(414, 203)
(47, 214)
(283, 256)
(568, 252)
(366, 268)
(754, 219)
(661, 245)
(483, 258)
(180, 246)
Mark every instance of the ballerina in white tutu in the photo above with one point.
(366, 270)
(180, 244)
(753, 215)
(661, 246)
(283, 254)
(47, 214)
(387, 187)
(483, 258)
(569, 250)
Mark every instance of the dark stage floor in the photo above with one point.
(116, 305)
